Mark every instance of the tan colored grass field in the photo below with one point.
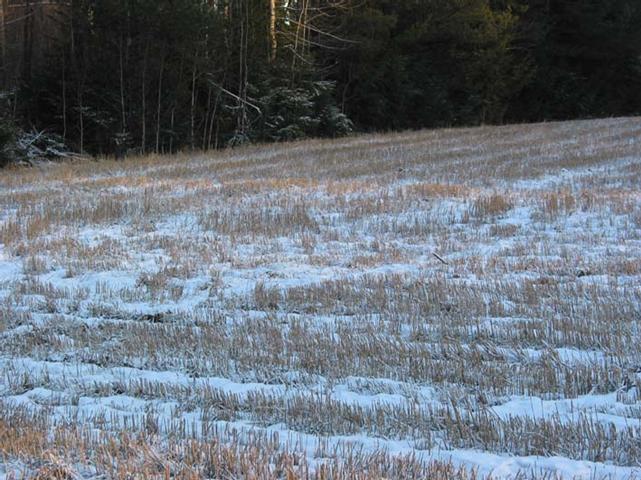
(438, 304)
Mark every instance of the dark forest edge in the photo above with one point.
(121, 77)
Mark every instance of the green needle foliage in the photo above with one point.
(139, 76)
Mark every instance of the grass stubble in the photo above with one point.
(302, 271)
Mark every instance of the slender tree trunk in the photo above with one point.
(4, 5)
(192, 113)
(143, 135)
(176, 100)
(241, 53)
(297, 39)
(81, 121)
(171, 138)
(207, 112)
(123, 115)
(241, 125)
(27, 43)
(272, 30)
(306, 29)
(211, 122)
(158, 110)
(64, 95)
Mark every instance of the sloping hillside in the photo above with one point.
(385, 305)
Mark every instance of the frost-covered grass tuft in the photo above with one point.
(442, 304)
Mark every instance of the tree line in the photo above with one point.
(163, 75)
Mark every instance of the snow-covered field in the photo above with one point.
(449, 303)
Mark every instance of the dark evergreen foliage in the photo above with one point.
(7, 133)
(163, 75)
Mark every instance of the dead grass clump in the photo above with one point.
(35, 265)
(10, 231)
(36, 225)
(260, 221)
(503, 230)
(265, 297)
(429, 191)
(252, 455)
(556, 204)
(490, 206)
(584, 439)
(54, 469)
(23, 434)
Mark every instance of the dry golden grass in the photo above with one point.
(446, 271)
(127, 455)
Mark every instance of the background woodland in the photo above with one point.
(109, 77)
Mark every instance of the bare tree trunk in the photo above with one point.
(241, 125)
(81, 121)
(192, 113)
(171, 138)
(240, 69)
(211, 123)
(206, 127)
(27, 43)
(79, 67)
(143, 140)
(4, 6)
(306, 28)
(272, 30)
(297, 38)
(64, 95)
(160, 79)
(123, 119)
